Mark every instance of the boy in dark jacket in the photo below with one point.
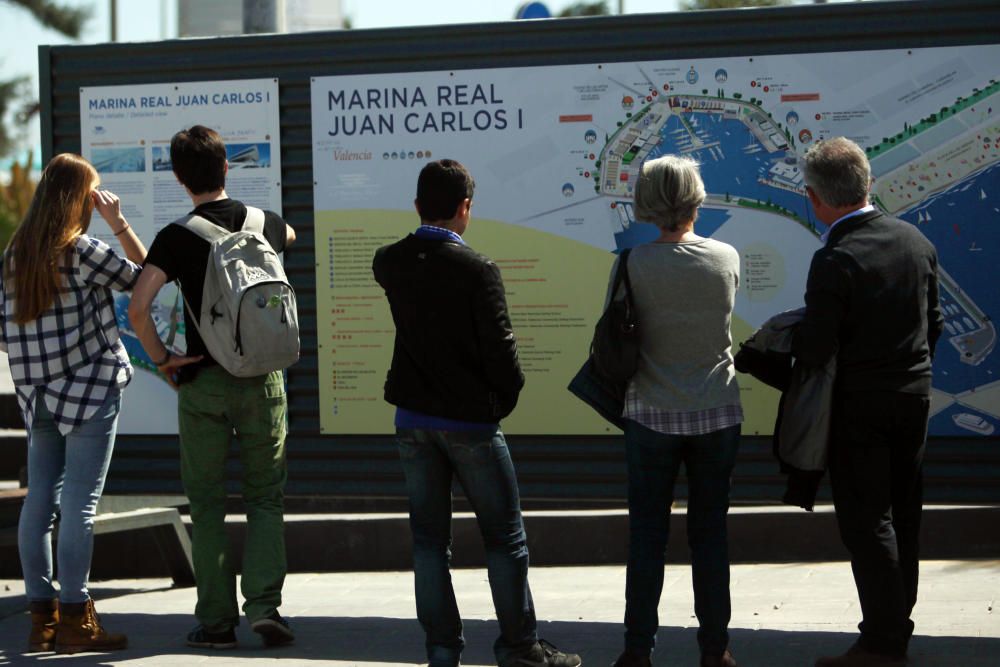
(454, 376)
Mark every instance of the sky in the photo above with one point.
(151, 20)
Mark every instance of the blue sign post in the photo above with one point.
(533, 10)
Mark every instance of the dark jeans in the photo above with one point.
(481, 462)
(876, 472)
(653, 461)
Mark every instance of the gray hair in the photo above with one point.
(668, 192)
(838, 172)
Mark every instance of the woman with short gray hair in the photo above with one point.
(682, 405)
(669, 192)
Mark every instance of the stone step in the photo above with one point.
(13, 444)
(360, 542)
(10, 412)
(11, 498)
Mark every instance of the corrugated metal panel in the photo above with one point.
(549, 468)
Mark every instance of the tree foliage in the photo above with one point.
(689, 5)
(17, 106)
(61, 18)
(584, 8)
(11, 92)
(15, 197)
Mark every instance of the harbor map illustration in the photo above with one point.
(934, 174)
(556, 152)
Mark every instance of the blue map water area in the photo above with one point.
(964, 226)
(943, 423)
(709, 221)
(734, 166)
(962, 222)
(131, 343)
(637, 234)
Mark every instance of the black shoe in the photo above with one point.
(544, 654)
(724, 660)
(859, 656)
(631, 659)
(273, 629)
(202, 638)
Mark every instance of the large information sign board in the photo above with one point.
(555, 152)
(125, 133)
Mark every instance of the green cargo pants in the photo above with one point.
(211, 409)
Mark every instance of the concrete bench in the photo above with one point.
(170, 535)
(168, 531)
(172, 539)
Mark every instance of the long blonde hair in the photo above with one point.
(60, 211)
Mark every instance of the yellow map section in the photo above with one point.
(760, 402)
(555, 290)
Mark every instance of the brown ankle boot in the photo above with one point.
(80, 630)
(44, 617)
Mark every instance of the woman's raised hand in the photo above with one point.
(109, 206)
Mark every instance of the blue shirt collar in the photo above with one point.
(864, 209)
(438, 234)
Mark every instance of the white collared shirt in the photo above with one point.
(864, 209)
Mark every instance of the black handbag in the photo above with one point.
(615, 346)
(595, 391)
(603, 379)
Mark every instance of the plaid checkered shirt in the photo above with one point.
(71, 355)
(673, 422)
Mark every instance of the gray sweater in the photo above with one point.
(684, 295)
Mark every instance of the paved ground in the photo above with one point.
(783, 615)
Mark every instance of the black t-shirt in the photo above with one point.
(183, 256)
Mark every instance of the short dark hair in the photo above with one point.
(198, 158)
(441, 187)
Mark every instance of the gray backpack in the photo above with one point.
(248, 318)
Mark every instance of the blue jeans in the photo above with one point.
(68, 472)
(653, 461)
(481, 462)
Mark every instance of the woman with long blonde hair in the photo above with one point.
(58, 325)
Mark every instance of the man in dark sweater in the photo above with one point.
(872, 300)
(454, 376)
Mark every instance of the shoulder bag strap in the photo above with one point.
(623, 266)
(621, 274)
(629, 303)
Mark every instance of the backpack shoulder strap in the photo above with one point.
(254, 221)
(202, 227)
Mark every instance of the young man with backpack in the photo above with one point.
(223, 254)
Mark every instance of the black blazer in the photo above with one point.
(455, 354)
(872, 299)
